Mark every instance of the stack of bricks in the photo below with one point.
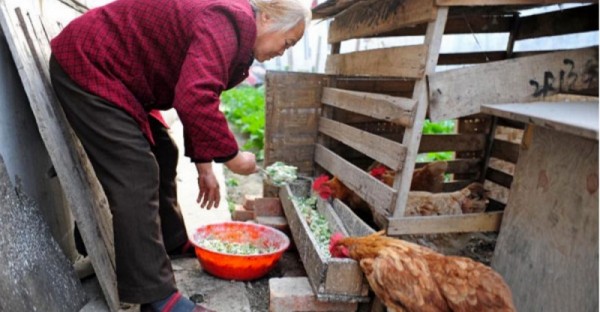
(294, 294)
(262, 210)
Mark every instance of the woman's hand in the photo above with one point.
(243, 163)
(209, 195)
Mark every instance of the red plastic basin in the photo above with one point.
(239, 267)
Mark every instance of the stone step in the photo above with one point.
(294, 294)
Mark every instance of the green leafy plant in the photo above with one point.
(231, 182)
(316, 222)
(442, 127)
(244, 107)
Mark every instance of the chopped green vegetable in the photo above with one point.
(244, 249)
(280, 174)
(316, 222)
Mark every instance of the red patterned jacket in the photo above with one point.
(157, 54)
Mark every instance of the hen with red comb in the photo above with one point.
(321, 187)
(335, 249)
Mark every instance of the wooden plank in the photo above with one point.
(505, 150)
(574, 20)
(82, 190)
(461, 92)
(354, 225)
(452, 142)
(367, 187)
(547, 248)
(407, 62)
(412, 135)
(377, 16)
(388, 152)
(505, 2)
(578, 118)
(393, 86)
(330, 8)
(293, 102)
(380, 106)
(471, 222)
(460, 24)
(499, 177)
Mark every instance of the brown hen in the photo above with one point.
(471, 199)
(429, 178)
(409, 277)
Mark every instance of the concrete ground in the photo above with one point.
(217, 294)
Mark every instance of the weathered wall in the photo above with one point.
(34, 274)
(25, 155)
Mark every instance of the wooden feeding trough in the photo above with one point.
(332, 279)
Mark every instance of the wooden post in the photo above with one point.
(412, 135)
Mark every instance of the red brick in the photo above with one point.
(294, 294)
(248, 202)
(268, 207)
(241, 214)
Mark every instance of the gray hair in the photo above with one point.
(285, 13)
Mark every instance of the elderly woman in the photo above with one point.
(115, 67)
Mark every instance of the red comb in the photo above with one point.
(336, 236)
(319, 182)
(321, 187)
(333, 250)
(378, 171)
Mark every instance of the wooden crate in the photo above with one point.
(332, 279)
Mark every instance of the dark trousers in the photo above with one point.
(139, 182)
